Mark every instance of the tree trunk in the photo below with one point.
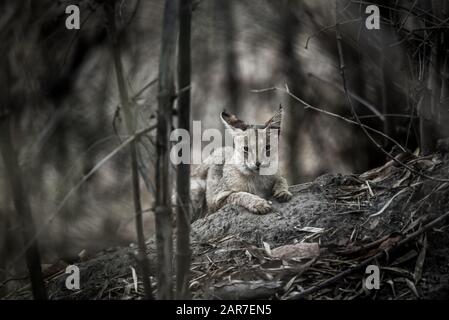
(130, 122)
(166, 94)
(232, 85)
(13, 96)
(431, 112)
(291, 68)
(22, 206)
(183, 211)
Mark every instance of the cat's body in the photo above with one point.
(226, 177)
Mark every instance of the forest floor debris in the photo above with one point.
(328, 230)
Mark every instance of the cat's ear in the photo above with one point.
(233, 123)
(276, 120)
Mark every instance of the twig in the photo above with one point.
(366, 262)
(130, 121)
(81, 182)
(313, 35)
(20, 199)
(144, 88)
(355, 96)
(133, 98)
(355, 115)
(13, 279)
(389, 202)
(309, 106)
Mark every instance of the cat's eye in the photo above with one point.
(245, 148)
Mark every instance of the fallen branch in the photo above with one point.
(390, 201)
(246, 290)
(368, 261)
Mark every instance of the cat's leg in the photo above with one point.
(280, 189)
(218, 193)
(251, 202)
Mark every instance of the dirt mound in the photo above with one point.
(321, 241)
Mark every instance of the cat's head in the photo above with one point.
(255, 145)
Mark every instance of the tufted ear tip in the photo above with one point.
(224, 114)
(232, 122)
(276, 120)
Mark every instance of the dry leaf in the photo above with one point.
(267, 248)
(312, 229)
(420, 261)
(296, 251)
(134, 274)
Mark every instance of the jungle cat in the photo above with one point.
(232, 175)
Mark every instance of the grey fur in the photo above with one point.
(224, 178)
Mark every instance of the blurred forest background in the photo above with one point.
(60, 97)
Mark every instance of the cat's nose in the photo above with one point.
(257, 164)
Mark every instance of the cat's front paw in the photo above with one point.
(282, 195)
(260, 206)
